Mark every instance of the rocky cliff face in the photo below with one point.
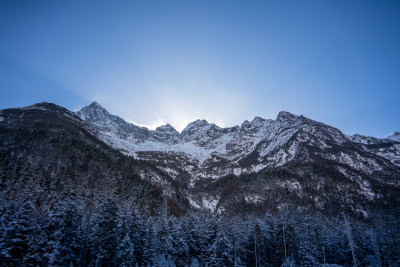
(388, 148)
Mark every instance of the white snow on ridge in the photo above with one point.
(394, 137)
(205, 150)
(199, 141)
(34, 107)
(388, 148)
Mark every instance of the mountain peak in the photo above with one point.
(199, 122)
(258, 120)
(43, 104)
(165, 134)
(166, 128)
(40, 104)
(285, 115)
(394, 137)
(96, 105)
(93, 111)
(46, 106)
(196, 124)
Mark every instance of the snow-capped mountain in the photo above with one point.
(204, 150)
(203, 154)
(261, 165)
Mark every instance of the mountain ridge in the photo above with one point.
(282, 114)
(262, 165)
(205, 153)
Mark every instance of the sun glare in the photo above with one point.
(151, 126)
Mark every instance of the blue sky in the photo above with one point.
(154, 62)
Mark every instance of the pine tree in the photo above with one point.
(88, 228)
(255, 245)
(172, 242)
(306, 240)
(17, 234)
(222, 251)
(6, 216)
(237, 232)
(208, 235)
(334, 243)
(40, 245)
(125, 251)
(68, 219)
(194, 263)
(136, 231)
(106, 237)
(190, 228)
(388, 239)
(149, 244)
(161, 260)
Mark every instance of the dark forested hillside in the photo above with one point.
(48, 155)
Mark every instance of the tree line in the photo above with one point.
(112, 235)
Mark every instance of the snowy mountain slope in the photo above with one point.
(292, 147)
(204, 150)
(388, 148)
(394, 137)
(261, 165)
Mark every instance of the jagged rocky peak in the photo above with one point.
(232, 129)
(47, 106)
(166, 128)
(362, 139)
(201, 131)
(394, 137)
(258, 119)
(256, 123)
(286, 116)
(388, 147)
(93, 110)
(165, 133)
(197, 124)
(41, 104)
(111, 127)
(95, 104)
(368, 140)
(192, 127)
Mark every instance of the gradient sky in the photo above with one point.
(154, 62)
